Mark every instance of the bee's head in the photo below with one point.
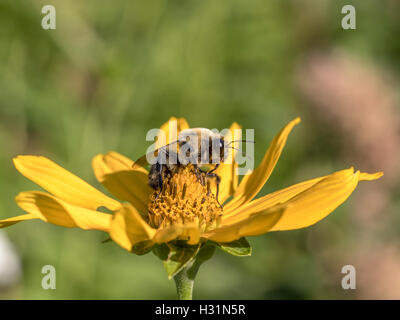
(216, 148)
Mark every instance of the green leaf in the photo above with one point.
(239, 247)
(143, 247)
(175, 257)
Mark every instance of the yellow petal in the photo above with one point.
(256, 224)
(167, 234)
(115, 172)
(113, 162)
(170, 131)
(56, 211)
(129, 228)
(227, 170)
(188, 231)
(236, 214)
(287, 196)
(251, 184)
(369, 176)
(62, 183)
(321, 199)
(10, 221)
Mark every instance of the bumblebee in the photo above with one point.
(200, 147)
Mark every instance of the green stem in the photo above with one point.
(184, 279)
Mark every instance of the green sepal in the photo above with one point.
(206, 252)
(240, 247)
(174, 256)
(139, 248)
(142, 247)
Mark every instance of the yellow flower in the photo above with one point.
(186, 209)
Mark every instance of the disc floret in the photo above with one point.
(186, 197)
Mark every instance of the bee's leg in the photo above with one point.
(160, 185)
(217, 193)
(218, 181)
(160, 180)
(212, 170)
(217, 178)
(199, 175)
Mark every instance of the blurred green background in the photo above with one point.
(114, 69)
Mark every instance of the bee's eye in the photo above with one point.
(221, 143)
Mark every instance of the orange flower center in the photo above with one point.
(186, 197)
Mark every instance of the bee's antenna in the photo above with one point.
(240, 141)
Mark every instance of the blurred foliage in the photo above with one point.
(114, 69)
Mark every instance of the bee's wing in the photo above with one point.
(142, 161)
